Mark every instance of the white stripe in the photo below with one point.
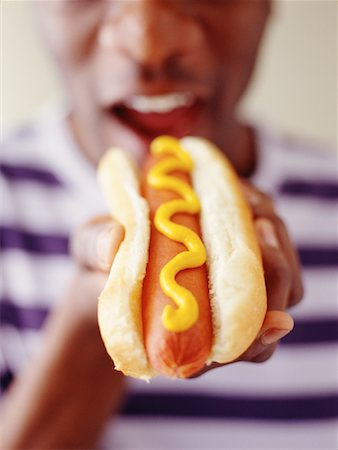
(28, 151)
(291, 370)
(55, 148)
(321, 292)
(35, 207)
(18, 347)
(172, 434)
(46, 210)
(2, 359)
(282, 159)
(305, 220)
(27, 278)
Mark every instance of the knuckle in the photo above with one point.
(297, 293)
(277, 222)
(265, 208)
(259, 200)
(263, 357)
(266, 198)
(265, 354)
(283, 272)
(280, 270)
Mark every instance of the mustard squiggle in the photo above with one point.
(186, 314)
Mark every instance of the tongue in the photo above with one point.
(177, 121)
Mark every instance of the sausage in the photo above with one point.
(174, 354)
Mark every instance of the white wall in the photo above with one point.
(295, 87)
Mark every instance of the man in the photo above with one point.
(133, 70)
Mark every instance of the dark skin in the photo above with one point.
(108, 52)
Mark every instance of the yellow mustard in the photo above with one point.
(186, 314)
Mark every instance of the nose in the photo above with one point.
(151, 33)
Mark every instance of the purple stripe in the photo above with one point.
(321, 189)
(313, 331)
(6, 378)
(45, 244)
(22, 317)
(222, 407)
(318, 256)
(20, 173)
(216, 407)
(305, 332)
(14, 237)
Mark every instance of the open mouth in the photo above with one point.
(174, 113)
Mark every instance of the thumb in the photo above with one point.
(95, 244)
(276, 325)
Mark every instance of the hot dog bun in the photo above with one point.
(236, 279)
(119, 308)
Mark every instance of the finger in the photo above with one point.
(296, 285)
(276, 325)
(95, 244)
(296, 288)
(265, 354)
(262, 206)
(276, 268)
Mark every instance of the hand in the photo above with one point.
(280, 260)
(282, 277)
(94, 247)
(72, 378)
(282, 274)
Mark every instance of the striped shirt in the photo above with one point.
(48, 188)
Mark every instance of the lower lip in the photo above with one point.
(178, 122)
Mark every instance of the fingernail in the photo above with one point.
(273, 335)
(267, 233)
(106, 37)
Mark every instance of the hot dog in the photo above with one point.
(186, 287)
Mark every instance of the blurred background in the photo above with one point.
(295, 88)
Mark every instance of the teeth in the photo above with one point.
(160, 103)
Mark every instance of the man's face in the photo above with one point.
(135, 69)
